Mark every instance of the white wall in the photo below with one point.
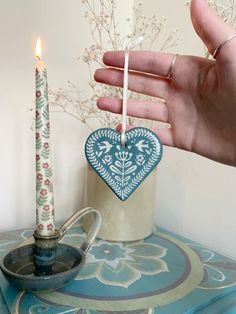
(195, 197)
(62, 28)
(65, 34)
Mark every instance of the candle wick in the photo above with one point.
(38, 57)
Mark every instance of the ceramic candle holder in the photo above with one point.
(47, 264)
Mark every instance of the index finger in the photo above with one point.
(157, 63)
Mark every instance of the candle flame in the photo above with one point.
(38, 53)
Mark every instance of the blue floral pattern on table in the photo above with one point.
(121, 264)
(219, 271)
(117, 278)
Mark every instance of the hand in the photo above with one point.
(200, 98)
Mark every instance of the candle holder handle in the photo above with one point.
(93, 230)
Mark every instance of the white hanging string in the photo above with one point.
(130, 46)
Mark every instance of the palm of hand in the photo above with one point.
(200, 98)
(200, 109)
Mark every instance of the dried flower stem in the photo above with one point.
(101, 17)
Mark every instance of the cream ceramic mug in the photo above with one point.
(128, 220)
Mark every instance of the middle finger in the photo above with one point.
(138, 82)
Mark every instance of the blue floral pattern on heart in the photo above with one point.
(121, 264)
(123, 168)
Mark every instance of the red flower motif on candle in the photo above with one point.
(43, 192)
(46, 145)
(39, 176)
(47, 182)
(48, 125)
(36, 115)
(40, 227)
(45, 165)
(46, 207)
(37, 157)
(50, 227)
(38, 93)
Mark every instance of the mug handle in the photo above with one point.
(92, 231)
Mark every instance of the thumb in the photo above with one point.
(210, 28)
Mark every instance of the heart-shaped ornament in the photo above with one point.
(123, 168)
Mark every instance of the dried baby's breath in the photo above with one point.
(104, 29)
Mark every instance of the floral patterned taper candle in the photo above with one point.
(44, 186)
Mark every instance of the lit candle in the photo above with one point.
(44, 187)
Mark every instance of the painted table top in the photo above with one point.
(164, 273)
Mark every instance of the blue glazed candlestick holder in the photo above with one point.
(45, 253)
(48, 264)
